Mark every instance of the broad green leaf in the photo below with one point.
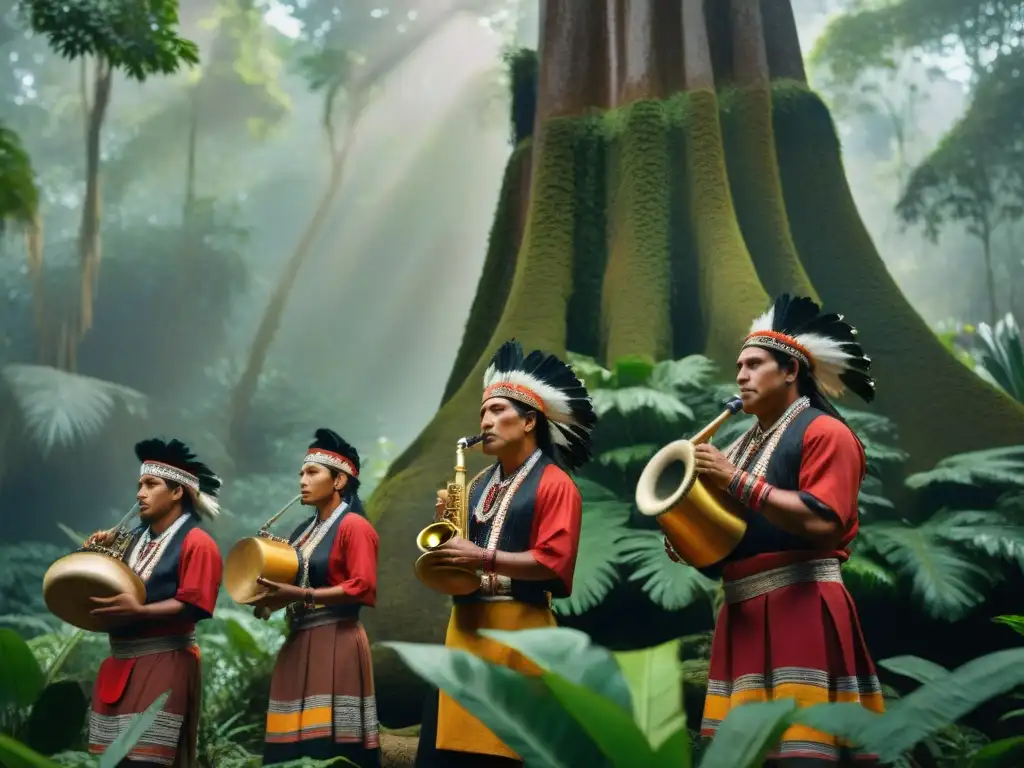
(843, 720)
(677, 750)
(627, 456)
(241, 639)
(14, 754)
(21, 679)
(670, 585)
(597, 571)
(748, 733)
(592, 491)
(573, 656)
(632, 371)
(57, 718)
(130, 736)
(1016, 623)
(916, 668)
(522, 711)
(994, 755)
(655, 679)
(992, 532)
(609, 725)
(933, 706)
(53, 671)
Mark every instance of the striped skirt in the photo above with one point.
(127, 685)
(790, 630)
(322, 702)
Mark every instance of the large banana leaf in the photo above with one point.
(21, 679)
(748, 734)
(14, 754)
(573, 656)
(655, 679)
(521, 711)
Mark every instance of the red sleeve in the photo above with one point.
(353, 562)
(199, 571)
(832, 467)
(557, 517)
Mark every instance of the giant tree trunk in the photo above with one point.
(682, 172)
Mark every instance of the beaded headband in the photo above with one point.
(167, 472)
(331, 460)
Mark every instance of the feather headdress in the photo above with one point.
(822, 342)
(543, 382)
(175, 461)
(329, 450)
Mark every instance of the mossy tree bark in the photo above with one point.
(681, 172)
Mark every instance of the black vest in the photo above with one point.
(783, 472)
(319, 562)
(515, 534)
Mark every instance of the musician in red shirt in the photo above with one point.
(788, 628)
(322, 701)
(524, 527)
(153, 648)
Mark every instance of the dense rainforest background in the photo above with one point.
(235, 221)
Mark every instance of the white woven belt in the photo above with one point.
(134, 647)
(762, 583)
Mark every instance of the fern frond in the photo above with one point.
(694, 373)
(64, 409)
(668, 584)
(627, 456)
(597, 571)
(630, 400)
(947, 583)
(990, 532)
(868, 573)
(994, 466)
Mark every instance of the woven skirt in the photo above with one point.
(127, 687)
(790, 631)
(322, 701)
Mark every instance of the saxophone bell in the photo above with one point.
(430, 568)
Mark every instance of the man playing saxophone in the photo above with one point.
(524, 527)
(788, 628)
(153, 647)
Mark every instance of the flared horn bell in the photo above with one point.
(702, 523)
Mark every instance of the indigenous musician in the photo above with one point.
(524, 528)
(788, 628)
(153, 646)
(322, 702)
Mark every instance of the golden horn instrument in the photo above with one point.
(94, 570)
(261, 556)
(701, 522)
(430, 569)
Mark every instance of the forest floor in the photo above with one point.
(398, 747)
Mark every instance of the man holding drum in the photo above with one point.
(152, 644)
(788, 628)
(322, 701)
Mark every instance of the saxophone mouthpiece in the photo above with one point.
(469, 442)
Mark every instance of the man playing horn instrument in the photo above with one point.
(153, 647)
(322, 702)
(524, 529)
(788, 628)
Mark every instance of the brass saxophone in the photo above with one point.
(454, 522)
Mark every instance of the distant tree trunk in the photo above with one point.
(358, 90)
(682, 173)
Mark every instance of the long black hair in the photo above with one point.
(541, 431)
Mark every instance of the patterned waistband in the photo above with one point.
(321, 617)
(133, 648)
(762, 583)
